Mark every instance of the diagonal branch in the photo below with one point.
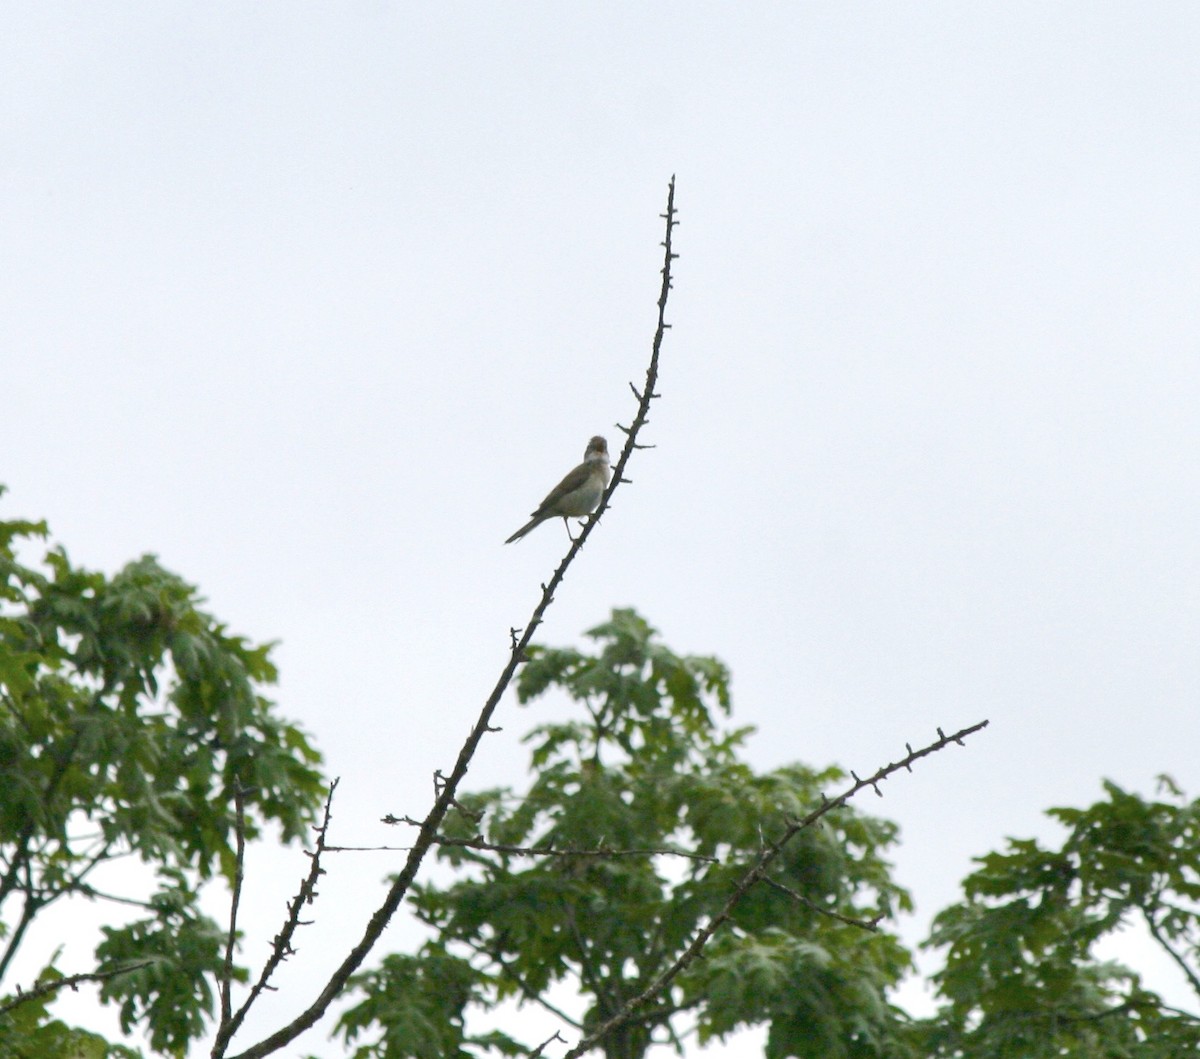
(520, 640)
(21, 859)
(1157, 934)
(758, 871)
(509, 971)
(829, 913)
(281, 948)
(71, 981)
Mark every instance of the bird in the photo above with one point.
(577, 494)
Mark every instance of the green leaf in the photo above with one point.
(130, 718)
(642, 769)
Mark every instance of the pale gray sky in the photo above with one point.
(317, 301)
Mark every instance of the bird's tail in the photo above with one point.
(523, 530)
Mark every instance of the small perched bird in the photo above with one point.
(577, 494)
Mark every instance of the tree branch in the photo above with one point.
(1180, 962)
(69, 982)
(281, 948)
(29, 909)
(21, 858)
(758, 871)
(527, 991)
(239, 806)
(850, 921)
(519, 642)
(20, 845)
(588, 971)
(480, 843)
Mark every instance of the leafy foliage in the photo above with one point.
(128, 719)
(1022, 977)
(648, 775)
(28, 1031)
(421, 1002)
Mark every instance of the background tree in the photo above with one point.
(131, 721)
(640, 821)
(132, 724)
(1022, 977)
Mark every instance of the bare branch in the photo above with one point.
(480, 843)
(542, 1047)
(1179, 961)
(445, 797)
(281, 948)
(239, 804)
(866, 924)
(71, 981)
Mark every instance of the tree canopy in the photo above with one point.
(1023, 976)
(134, 725)
(599, 873)
(131, 721)
(640, 820)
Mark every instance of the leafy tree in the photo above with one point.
(1022, 978)
(643, 818)
(131, 721)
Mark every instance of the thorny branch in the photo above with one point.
(281, 948)
(520, 640)
(758, 871)
(69, 982)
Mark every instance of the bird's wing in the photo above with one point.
(569, 484)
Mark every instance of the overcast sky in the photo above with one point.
(317, 301)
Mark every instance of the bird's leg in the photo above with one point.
(567, 523)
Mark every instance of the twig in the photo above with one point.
(480, 843)
(281, 947)
(449, 784)
(758, 871)
(239, 806)
(866, 924)
(647, 393)
(1191, 976)
(510, 973)
(542, 1047)
(69, 982)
